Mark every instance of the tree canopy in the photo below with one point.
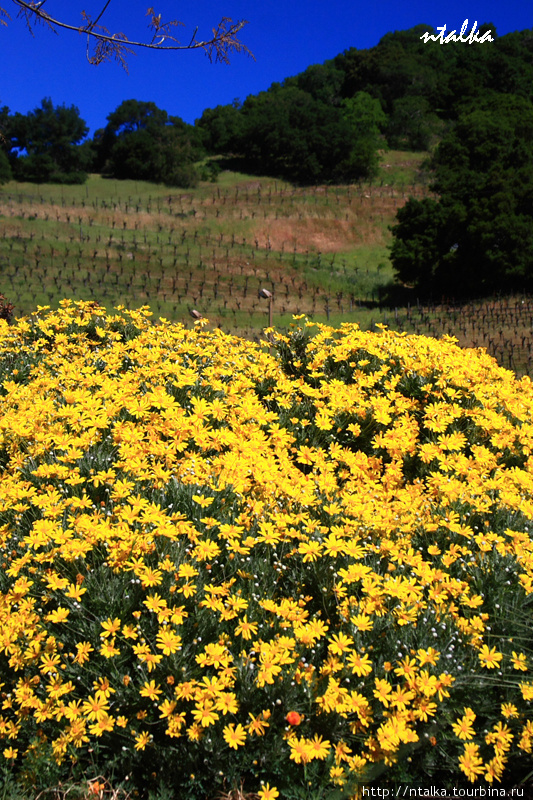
(143, 142)
(44, 144)
(479, 235)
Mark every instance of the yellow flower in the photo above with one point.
(259, 724)
(227, 703)
(110, 626)
(300, 751)
(145, 655)
(168, 641)
(340, 643)
(519, 661)
(141, 740)
(205, 714)
(463, 726)
(96, 706)
(129, 632)
(103, 724)
(489, 658)
(155, 603)
(382, 691)
(202, 501)
(83, 648)
(150, 690)
(509, 710)
(268, 792)
(60, 615)
(470, 761)
(310, 550)
(527, 690)
(429, 656)
(400, 697)
(103, 685)
(150, 577)
(360, 665)
(235, 736)
(246, 629)
(108, 649)
(318, 747)
(362, 622)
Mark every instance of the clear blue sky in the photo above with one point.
(285, 37)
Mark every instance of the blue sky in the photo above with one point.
(285, 37)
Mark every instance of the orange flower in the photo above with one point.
(293, 718)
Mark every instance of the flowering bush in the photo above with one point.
(297, 571)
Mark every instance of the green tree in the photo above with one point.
(365, 117)
(141, 141)
(412, 125)
(321, 81)
(221, 128)
(45, 144)
(287, 132)
(479, 235)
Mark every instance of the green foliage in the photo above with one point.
(49, 137)
(412, 124)
(365, 117)
(142, 142)
(220, 128)
(322, 81)
(402, 65)
(288, 132)
(297, 129)
(479, 236)
(6, 309)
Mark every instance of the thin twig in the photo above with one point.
(223, 41)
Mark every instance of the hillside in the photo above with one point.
(321, 250)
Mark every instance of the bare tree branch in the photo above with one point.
(106, 45)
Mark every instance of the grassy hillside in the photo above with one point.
(322, 251)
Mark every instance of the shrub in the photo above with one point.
(296, 573)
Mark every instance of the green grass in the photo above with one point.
(400, 167)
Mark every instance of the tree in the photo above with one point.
(44, 144)
(141, 141)
(289, 134)
(425, 242)
(478, 238)
(322, 81)
(365, 117)
(106, 45)
(411, 126)
(221, 127)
